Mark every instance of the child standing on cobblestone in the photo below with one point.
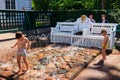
(23, 46)
(104, 47)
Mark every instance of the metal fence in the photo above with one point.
(11, 20)
(23, 20)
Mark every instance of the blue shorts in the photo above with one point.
(21, 52)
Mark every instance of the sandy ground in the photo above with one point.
(7, 44)
(7, 36)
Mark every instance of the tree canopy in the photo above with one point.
(75, 4)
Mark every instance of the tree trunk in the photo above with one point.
(103, 4)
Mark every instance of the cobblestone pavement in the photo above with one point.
(109, 71)
(54, 62)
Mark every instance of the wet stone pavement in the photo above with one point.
(54, 62)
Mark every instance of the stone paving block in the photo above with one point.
(53, 62)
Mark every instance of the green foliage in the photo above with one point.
(61, 16)
(115, 14)
(41, 4)
(75, 4)
(115, 4)
(39, 24)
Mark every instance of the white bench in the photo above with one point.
(65, 27)
(96, 29)
(64, 33)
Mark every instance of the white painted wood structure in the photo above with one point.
(15, 4)
(64, 32)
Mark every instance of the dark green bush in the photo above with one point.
(60, 16)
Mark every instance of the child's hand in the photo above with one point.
(28, 51)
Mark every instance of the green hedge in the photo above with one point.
(60, 16)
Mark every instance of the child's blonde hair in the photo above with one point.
(83, 17)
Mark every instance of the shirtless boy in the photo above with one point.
(23, 46)
(104, 47)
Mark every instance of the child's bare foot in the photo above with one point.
(19, 71)
(27, 71)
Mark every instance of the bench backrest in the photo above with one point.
(96, 28)
(67, 26)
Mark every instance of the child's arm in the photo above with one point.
(15, 44)
(28, 44)
(105, 42)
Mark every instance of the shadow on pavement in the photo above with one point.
(13, 76)
(108, 70)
